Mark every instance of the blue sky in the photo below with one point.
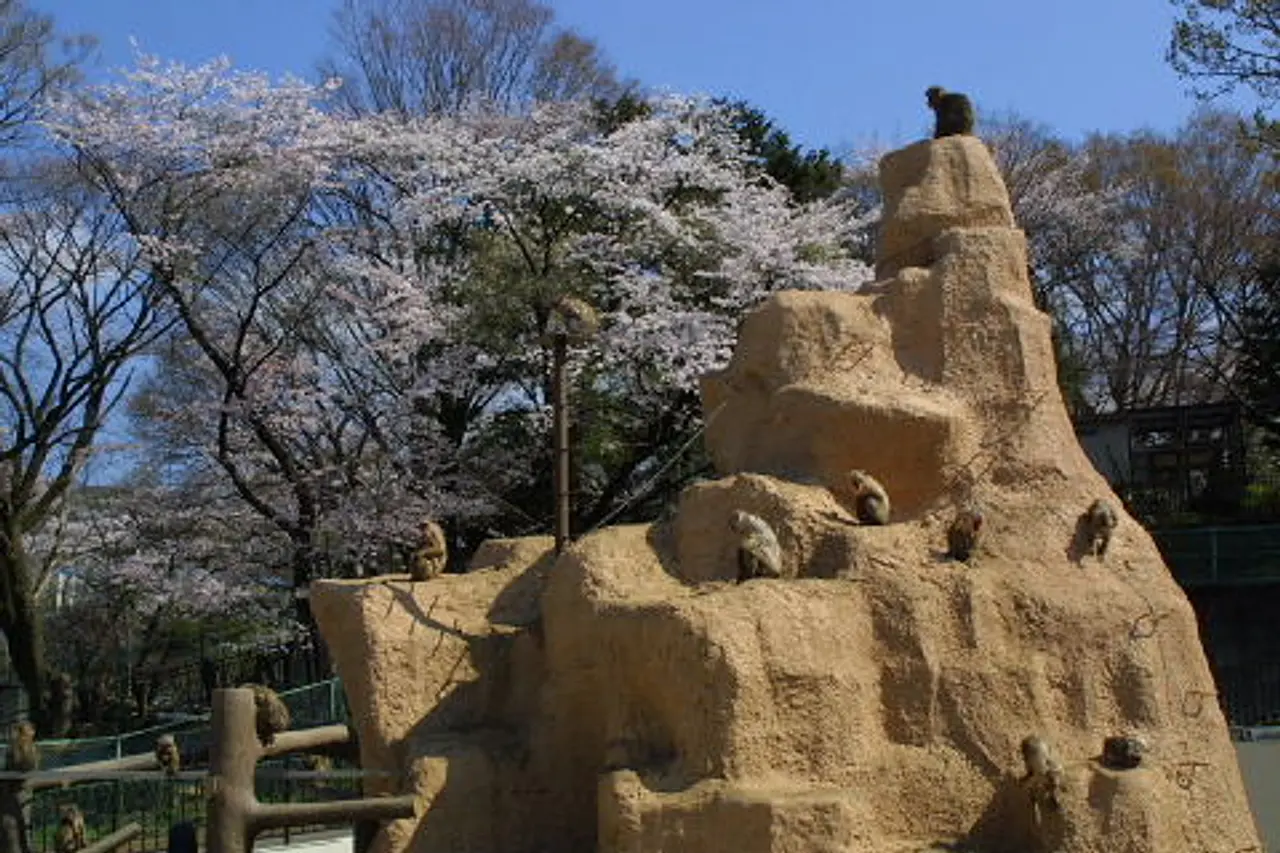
(837, 73)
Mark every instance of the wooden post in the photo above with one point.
(560, 416)
(235, 817)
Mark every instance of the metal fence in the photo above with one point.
(158, 803)
(1249, 694)
(312, 705)
(187, 688)
(190, 686)
(1200, 556)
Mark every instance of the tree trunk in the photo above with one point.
(22, 626)
(303, 570)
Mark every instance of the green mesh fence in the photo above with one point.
(1222, 555)
(313, 705)
(157, 803)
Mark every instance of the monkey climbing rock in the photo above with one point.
(1043, 777)
(870, 500)
(1100, 522)
(759, 554)
(964, 533)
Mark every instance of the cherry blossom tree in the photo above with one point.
(364, 301)
(157, 571)
(665, 223)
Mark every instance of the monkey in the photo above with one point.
(870, 500)
(167, 754)
(319, 763)
(953, 112)
(1123, 752)
(70, 836)
(1043, 779)
(24, 755)
(759, 554)
(61, 704)
(271, 715)
(432, 554)
(1100, 522)
(574, 318)
(964, 533)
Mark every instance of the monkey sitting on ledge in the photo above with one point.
(432, 554)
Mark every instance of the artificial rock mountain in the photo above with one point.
(629, 697)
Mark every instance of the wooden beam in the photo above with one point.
(121, 836)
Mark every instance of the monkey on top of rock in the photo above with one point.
(953, 112)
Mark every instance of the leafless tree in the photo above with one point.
(76, 309)
(419, 57)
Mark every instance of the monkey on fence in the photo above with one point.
(953, 112)
(870, 500)
(759, 554)
(70, 836)
(24, 755)
(432, 553)
(1099, 522)
(964, 533)
(62, 697)
(271, 715)
(167, 754)
(1043, 779)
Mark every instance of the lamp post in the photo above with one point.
(572, 321)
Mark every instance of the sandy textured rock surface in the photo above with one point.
(632, 697)
(929, 187)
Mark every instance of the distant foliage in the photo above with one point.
(1260, 358)
(809, 175)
